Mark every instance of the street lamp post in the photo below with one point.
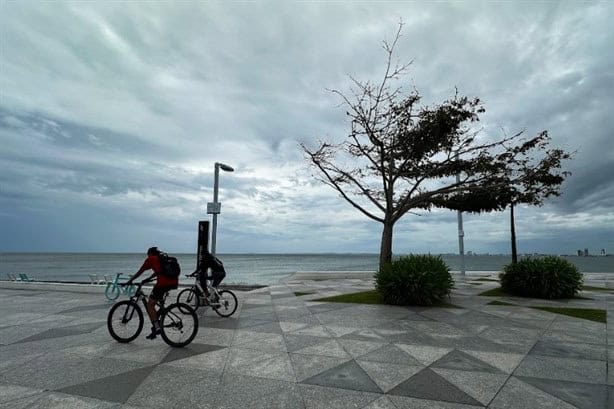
(215, 207)
(461, 233)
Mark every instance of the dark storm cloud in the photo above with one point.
(112, 115)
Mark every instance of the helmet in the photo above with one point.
(152, 251)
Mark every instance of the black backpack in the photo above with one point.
(170, 266)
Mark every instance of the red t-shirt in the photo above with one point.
(153, 263)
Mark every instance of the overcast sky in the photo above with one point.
(113, 114)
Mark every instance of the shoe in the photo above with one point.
(154, 333)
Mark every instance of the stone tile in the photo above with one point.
(298, 342)
(287, 326)
(12, 392)
(381, 403)
(84, 308)
(242, 392)
(506, 362)
(214, 336)
(403, 402)
(424, 354)
(63, 332)
(581, 395)
(56, 400)
(317, 308)
(387, 375)
(482, 386)
(248, 323)
(313, 330)
(518, 394)
(213, 362)
(188, 351)
(228, 324)
(170, 387)
(277, 367)
(306, 366)
(116, 388)
(340, 331)
(463, 362)
(42, 372)
(345, 376)
(392, 354)
(426, 384)
(359, 348)
(239, 357)
(367, 335)
(565, 369)
(330, 348)
(569, 350)
(244, 337)
(319, 397)
(598, 338)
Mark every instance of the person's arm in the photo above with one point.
(147, 264)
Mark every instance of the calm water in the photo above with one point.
(241, 268)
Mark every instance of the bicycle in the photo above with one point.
(223, 302)
(114, 289)
(178, 322)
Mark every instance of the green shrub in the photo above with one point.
(548, 277)
(414, 280)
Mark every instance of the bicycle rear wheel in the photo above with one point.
(125, 321)
(227, 304)
(188, 296)
(179, 325)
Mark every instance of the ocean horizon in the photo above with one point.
(245, 268)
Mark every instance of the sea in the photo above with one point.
(249, 269)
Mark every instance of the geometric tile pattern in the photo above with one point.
(280, 350)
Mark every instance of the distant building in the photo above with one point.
(603, 253)
(580, 254)
(585, 252)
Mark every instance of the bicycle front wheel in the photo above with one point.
(111, 292)
(125, 321)
(227, 304)
(179, 325)
(188, 296)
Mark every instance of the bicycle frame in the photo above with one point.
(139, 295)
(201, 292)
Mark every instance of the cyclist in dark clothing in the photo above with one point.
(210, 262)
(163, 285)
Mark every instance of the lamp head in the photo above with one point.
(224, 167)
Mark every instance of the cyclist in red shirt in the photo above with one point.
(163, 285)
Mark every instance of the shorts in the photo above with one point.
(158, 292)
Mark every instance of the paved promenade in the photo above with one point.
(282, 350)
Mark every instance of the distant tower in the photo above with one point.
(585, 252)
(603, 252)
(579, 253)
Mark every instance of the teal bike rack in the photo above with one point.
(114, 289)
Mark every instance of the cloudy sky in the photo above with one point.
(113, 114)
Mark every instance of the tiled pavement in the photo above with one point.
(285, 351)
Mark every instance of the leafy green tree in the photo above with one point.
(400, 156)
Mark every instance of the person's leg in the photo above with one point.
(156, 295)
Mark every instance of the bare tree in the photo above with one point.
(400, 156)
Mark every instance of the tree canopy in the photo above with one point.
(400, 155)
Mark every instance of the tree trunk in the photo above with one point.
(385, 252)
(513, 230)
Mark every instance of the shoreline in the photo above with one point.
(88, 287)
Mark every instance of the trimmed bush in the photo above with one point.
(548, 277)
(414, 280)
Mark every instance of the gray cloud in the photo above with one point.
(112, 115)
